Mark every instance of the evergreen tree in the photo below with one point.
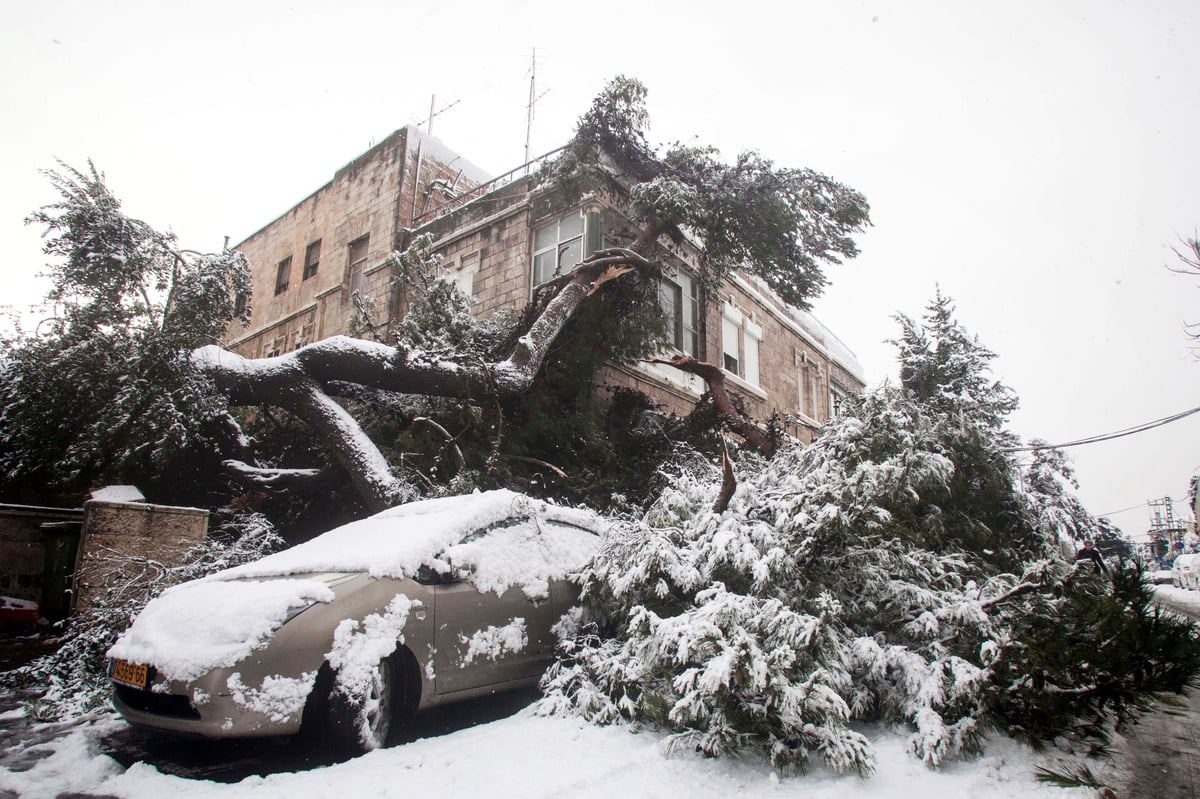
(895, 570)
(1111, 542)
(1060, 515)
(947, 369)
(776, 223)
(102, 389)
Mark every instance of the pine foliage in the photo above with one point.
(103, 388)
(895, 571)
(777, 223)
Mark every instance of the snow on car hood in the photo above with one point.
(198, 626)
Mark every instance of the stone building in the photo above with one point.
(308, 262)
(500, 239)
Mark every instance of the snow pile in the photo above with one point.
(118, 493)
(526, 757)
(520, 555)
(494, 642)
(279, 698)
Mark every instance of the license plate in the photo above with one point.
(126, 673)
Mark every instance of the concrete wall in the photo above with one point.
(127, 545)
(22, 547)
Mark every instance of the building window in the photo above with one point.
(740, 340)
(677, 296)
(751, 337)
(358, 263)
(837, 400)
(312, 257)
(808, 379)
(240, 302)
(730, 348)
(558, 246)
(304, 335)
(283, 274)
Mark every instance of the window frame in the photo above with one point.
(559, 245)
(731, 343)
(752, 336)
(356, 269)
(283, 275)
(311, 262)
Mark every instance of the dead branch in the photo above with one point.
(278, 480)
(728, 482)
(714, 378)
(537, 462)
(459, 460)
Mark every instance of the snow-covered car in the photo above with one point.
(420, 605)
(1185, 573)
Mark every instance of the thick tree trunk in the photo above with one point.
(296, 381)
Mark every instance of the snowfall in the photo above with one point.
(529, 755)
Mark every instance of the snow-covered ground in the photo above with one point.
(528, 756)
(1179, 599)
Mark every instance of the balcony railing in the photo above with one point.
(480, 190)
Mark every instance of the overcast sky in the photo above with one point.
(1037, 160)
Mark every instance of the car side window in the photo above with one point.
(427, 575)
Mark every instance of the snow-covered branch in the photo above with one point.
(299, 381)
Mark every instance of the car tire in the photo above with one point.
(362, 723)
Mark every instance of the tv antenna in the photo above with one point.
(428, 123)
(533, 98)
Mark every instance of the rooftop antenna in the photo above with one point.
(533, 98)
(428, 123)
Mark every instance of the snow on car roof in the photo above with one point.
(398, 541)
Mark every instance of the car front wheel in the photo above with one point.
(362, 722)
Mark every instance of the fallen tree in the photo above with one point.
(143, 394)
(776, 224)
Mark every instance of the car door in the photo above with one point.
(487, 637)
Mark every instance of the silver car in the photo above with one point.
(424, 604)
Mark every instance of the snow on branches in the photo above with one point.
(846, 582)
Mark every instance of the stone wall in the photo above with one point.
(371, 199)
(126, 546)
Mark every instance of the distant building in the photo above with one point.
(500, 239)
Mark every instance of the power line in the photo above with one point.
(1145, 504)
(1122, 510)
(1141, 428)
